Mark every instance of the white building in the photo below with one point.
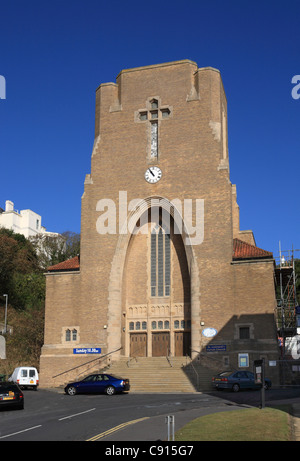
(25, 222)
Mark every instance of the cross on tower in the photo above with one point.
(152, 115)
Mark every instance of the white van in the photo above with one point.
(25, 377)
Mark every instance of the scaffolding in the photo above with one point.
(287, 308)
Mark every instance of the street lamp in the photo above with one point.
(5, 320)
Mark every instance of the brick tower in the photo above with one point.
(164, 268)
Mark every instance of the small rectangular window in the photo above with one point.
(165, 113)
(244, 333)
(143, 116)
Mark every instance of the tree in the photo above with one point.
(17, 256)
(72, 240)
(52, 249)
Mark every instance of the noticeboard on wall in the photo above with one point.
(243, 360)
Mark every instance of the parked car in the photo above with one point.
(11, 395)
(25, 377)
(98, 383)
(236, 380)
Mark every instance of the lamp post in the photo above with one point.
(5, 319)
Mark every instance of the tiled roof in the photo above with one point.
(243, 250)
(69, 265)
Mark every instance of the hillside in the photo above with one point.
(22, 267)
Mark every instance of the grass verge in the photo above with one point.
(250, 424)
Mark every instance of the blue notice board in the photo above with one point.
(87, 350)
(216, 347)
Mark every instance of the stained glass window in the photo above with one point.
(160, 262)
(154, 139)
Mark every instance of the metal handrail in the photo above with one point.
(197, 374)
(134, 357)
(168, 357)
(86, 363)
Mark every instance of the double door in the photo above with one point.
(160, 344)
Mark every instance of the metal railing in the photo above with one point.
(86, 363)
(169, 357)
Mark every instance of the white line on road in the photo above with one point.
(20, 432)
(77, 414)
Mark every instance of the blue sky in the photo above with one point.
(54, 54)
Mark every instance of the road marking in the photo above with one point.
(114, 429)
(76, 414)
(20, 432)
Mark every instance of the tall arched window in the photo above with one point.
(160, 262)
(68, 335)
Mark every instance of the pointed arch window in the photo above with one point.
(160, 262)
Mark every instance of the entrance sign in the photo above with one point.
(87, 350)
(215, 347)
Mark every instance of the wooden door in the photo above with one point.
(182, 343)
(138, 345)
(160, 344)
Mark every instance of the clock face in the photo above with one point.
(153, 174)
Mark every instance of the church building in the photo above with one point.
(164, 269)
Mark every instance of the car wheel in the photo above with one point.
(110, 390)
(71, 390)
(235, 388)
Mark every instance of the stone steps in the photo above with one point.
(157, 374)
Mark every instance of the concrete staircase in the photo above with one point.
(158, 374)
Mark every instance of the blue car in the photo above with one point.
(98, 383)
(236, 380)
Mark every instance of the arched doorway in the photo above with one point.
(156, 290)
(134, 316)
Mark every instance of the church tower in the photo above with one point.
(159, 229)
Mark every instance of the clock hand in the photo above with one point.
(151, 172)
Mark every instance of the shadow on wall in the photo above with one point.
(242, 340)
